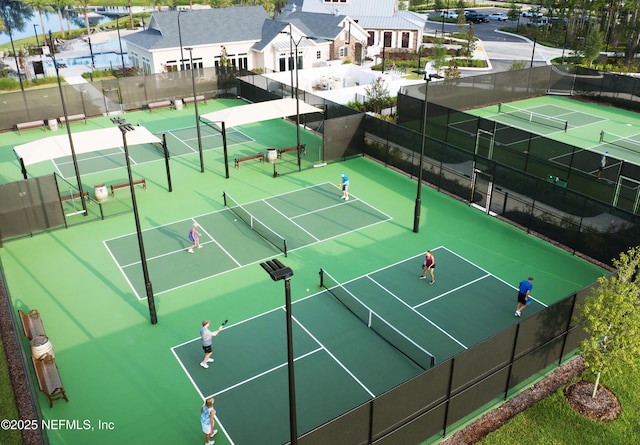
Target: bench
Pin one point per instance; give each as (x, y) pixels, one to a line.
(303, 150)
(75, 196)
(248, 158)
(161, 104)
(114, 187)
(73, 118)
(32, 324)
(190, 100)
(49, 378)
(28, 125)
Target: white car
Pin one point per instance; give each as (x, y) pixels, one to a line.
(531, 14)
(449, 14)
(498, 16)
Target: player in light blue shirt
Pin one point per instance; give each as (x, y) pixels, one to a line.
(344, 186)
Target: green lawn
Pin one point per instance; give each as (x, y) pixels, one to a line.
(8, 408)
(552, 421)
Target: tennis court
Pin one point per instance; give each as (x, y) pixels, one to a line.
(240, 235)
(353, 341)
(117, 367)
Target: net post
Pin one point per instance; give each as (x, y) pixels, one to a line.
(433, 361)
(285, 247)
(224, 198)
(566, 126)
(321, 273)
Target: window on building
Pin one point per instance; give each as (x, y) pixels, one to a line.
(343, 52)
(318, 55)
(387, 39)
(405, 40)
(171, 65)
(135, 61)
(146, 65)
(372, 39)
(243, 61)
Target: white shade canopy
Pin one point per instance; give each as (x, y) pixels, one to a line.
(261, 111)
(83, 142)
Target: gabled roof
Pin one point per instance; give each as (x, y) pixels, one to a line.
(402, 20)
(323, 26)
(352, 8)
(201, 27)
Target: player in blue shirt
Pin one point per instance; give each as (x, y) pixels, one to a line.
(344, 186)
(524, 290)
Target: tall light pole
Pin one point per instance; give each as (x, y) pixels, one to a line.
(195, 104)
(124, 128)
(66, 122)
(278, 271)
(35, 25)
(124, 72)
(294, 43)
(15, 55)
(416, 213)
(180, 39)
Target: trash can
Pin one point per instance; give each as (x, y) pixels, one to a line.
(40, 346)
(100, 192)
(178, 104)
(272, 155)
(53, 124)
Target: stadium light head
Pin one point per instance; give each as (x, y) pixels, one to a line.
(125, 127)
(276, 270)
(118, 120)
(428, 77)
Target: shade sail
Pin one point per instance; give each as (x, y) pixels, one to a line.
(261, 111)
(83, 142)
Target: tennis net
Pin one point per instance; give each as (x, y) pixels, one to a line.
(410, 349)
(255, 224)
(620, 141)
(533, 117)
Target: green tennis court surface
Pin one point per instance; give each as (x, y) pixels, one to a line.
(303, 217)
(117, 367)
(341, 358)
(547, 115)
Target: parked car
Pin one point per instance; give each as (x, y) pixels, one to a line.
(467, 12)
(499, 16)
(449, 14)
(477, 17)
(531, 13)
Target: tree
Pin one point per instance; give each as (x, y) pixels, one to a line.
(40, 6)
(377, 95)
(85, 7)
(438, 5)
(59, 6)
(452, 71)
(219, 3)
(514, 11)
(611, 318)
(438, 55)
(592, 45)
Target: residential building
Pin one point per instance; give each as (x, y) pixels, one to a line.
(250, 39)
(385, 24)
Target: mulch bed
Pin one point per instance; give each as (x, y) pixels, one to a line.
(604, 407)
(493, 420)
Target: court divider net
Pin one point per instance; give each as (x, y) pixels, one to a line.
(385, 330)
(255, 224)
(620, 141)
(533, 117)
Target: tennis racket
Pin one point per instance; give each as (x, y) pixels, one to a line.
(224, 323)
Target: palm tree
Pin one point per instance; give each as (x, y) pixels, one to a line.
(40, 6)
(85, 8)
(59, 5)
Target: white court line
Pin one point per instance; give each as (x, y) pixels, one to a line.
(417, 313)
(452, 290)
(218, 423)
(218, 244)
(121, 269)
(335, 358)
(494, 276)
(291, 220)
